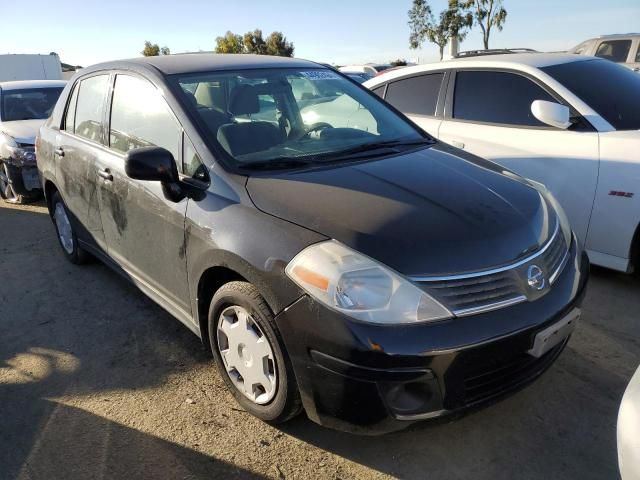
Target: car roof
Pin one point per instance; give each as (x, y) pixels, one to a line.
(24, 84)
(205, 62)
(615, 35)
(518, 61)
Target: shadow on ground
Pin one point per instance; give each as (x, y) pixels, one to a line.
(69, 333)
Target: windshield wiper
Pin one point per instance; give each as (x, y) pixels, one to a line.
(384, 146)
(276, 163)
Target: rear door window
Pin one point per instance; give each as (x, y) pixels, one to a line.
(140, 117)
(70, 115)
(92, 95)
(497, 97)
(614, 50)
(416, 95)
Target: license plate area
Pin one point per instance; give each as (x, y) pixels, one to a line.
(551, 336)
(30, 178)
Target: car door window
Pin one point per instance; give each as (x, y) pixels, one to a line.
(581, 49)
(379, 91)
(140, 117)
(497, 97)
(192, 165)
(614, 50)
(70, 115)
(92, 94)
(638, 54)
(416, 95)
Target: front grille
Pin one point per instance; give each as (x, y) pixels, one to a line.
(498, 375)
(465, 294)
(484, 291)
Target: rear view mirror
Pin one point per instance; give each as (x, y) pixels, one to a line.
(551, 113)
(154, 164)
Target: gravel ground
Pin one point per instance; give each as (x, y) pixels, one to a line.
(96, 381)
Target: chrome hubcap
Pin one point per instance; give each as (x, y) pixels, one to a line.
(247, 355)
(65, 234)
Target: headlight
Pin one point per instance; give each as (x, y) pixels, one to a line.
(351, 283)
(19, 153)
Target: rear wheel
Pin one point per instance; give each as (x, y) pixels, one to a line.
(66, 235)
(250, 355)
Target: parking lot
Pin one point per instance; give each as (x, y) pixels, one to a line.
(96, 381)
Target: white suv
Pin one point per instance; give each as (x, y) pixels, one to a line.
(570, 122)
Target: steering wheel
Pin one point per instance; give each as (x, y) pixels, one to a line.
(316, 127)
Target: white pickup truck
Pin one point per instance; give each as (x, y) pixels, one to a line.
(570, 122)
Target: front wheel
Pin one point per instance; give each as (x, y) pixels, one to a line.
(250, 355)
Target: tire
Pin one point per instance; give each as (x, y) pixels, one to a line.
(67, 239)
(7, 191)
(283, 403)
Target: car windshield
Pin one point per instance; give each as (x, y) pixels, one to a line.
(29, 104)
(610, 89)
(282, 117)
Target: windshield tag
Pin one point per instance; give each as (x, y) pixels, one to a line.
(315, 75)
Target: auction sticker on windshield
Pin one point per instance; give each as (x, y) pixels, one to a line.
(314, 75)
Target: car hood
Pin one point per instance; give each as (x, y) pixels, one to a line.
(23, 131)
(429, 212)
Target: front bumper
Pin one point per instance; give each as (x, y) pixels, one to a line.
(24, 178)
(373, 379)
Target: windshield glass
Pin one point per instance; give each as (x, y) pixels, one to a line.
(610, 89)
(287, 115)
(29, 104)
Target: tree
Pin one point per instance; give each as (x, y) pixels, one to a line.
(487, 14)
(452, 22)
(153, 50)
(278, 45)
(230, 43)
(398, 63)
(254, 43)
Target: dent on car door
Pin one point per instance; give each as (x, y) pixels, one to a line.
(418, 97)
(490, 116)
(144, 230)
(76, 149)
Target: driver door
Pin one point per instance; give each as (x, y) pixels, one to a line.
(144, 231)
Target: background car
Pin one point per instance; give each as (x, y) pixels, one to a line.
(24, 106)
(569, 122)
(366, 272)
(372, 69)
(622, 48)
(629, 431)
(358, 77)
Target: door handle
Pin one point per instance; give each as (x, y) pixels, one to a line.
(457, 144)
(59, 151)
(105, 174)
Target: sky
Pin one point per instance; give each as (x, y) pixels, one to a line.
(331, 31)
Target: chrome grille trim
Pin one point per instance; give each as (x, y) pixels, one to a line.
(492, 271)
(489, 307)
(479, 292)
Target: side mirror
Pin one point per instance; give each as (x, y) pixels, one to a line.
(153, 164)
(552, 113)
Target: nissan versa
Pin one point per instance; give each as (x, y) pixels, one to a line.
(333, 256)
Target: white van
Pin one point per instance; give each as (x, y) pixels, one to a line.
(30, 67)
